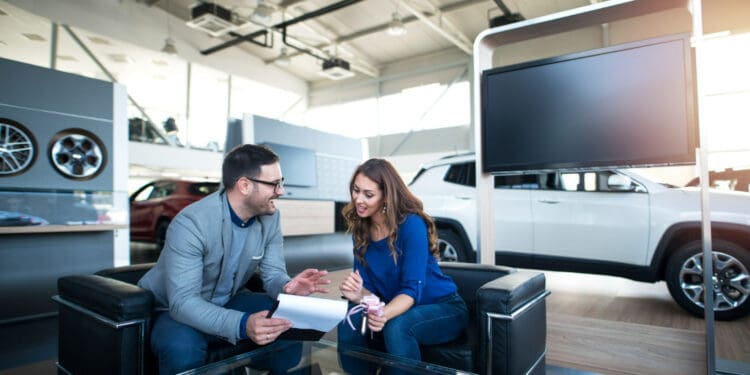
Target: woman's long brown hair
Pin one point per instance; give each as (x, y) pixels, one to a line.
(399, 202)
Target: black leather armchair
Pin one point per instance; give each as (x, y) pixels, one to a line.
(507, 321)
(105, 320)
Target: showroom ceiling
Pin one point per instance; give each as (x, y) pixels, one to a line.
(317, 31)
(360, 33)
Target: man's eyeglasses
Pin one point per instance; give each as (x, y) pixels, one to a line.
(277, 185)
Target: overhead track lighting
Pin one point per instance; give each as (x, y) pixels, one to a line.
(169, 47)
(396, 26)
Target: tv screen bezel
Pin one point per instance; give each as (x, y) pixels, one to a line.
(690, 95)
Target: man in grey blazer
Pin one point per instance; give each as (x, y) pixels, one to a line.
(212, 248)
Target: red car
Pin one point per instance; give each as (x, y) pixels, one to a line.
(154, 205)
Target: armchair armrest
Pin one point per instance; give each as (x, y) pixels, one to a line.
(103, 326)
(512, 312)
(507, 295)
(129, 274)
(113, 299)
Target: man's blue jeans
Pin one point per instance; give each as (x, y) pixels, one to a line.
(179, 347)
(422, 324)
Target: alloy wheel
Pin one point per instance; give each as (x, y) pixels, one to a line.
(731, 281)
(17, 148)
(448, 252)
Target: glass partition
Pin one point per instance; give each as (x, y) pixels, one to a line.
(70, 208)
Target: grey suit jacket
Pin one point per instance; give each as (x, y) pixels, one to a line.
(190, 265)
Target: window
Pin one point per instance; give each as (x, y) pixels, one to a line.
(595, 181)
(208, 102)
(253, 97)
(144, 194)
(462, 174)
(520, 181)
(162, 190)
(204, 188)
(353, 119)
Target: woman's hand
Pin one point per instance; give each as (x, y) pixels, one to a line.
(351, 288)
(376, 322)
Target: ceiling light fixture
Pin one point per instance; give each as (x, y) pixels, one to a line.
(283, 58)
(169, 47)
(213, 19)
(335, 69)
(262, 12)
(396, 26)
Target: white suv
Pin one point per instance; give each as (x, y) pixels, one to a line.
(611, 222)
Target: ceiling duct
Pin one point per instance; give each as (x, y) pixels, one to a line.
(282, 26)
(212, 19)
(335, 69)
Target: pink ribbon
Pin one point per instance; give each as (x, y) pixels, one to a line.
(354, 310)
(367, 301)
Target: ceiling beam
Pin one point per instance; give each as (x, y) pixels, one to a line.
(249, 37)
(358, 60)
(451, 35)
(383, 27)
(443, 26)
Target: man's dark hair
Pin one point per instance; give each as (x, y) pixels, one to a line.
(245, 160)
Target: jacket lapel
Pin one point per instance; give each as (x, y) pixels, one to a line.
(226, 234)
(253, 248)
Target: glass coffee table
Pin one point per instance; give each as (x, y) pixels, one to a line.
(321, 357)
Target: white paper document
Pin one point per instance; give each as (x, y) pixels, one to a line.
(310, 312)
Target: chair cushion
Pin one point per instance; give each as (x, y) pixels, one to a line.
(457, 354)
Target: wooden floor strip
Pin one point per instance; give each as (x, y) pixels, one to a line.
(613, 347)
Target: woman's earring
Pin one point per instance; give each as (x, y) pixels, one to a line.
(385, 209)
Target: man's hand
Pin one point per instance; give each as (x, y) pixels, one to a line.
(308, 282)
(351, 288)
(264, 330)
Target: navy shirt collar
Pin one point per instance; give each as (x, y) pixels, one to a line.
(236, 219)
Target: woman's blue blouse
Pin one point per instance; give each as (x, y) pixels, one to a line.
(416, 272)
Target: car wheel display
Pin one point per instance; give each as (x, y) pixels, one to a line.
(730, 280)
(451, 247)
(77, 154)
(17, 148)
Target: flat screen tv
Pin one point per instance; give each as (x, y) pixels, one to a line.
(622, 106)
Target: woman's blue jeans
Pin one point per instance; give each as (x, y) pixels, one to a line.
(431, 324)
(179, 347)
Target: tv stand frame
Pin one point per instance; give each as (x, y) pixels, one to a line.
(595, 14)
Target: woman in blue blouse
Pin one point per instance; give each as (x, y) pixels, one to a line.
(395, 258)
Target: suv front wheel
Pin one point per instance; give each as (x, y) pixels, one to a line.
(731, 280)
(451, 246)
